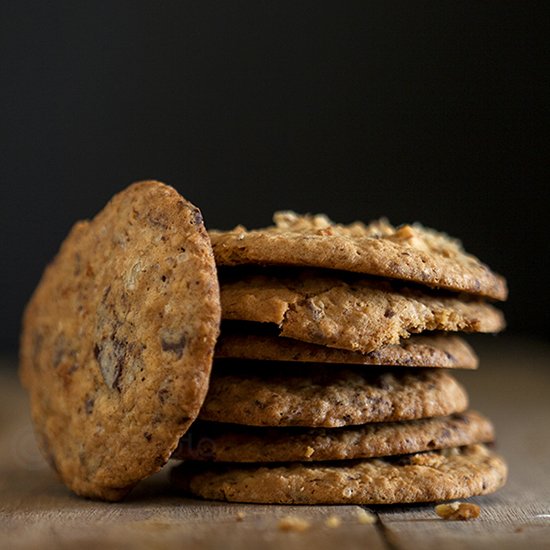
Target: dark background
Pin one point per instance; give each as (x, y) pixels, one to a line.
(428, 111)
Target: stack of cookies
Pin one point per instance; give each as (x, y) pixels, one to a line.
(332, 380)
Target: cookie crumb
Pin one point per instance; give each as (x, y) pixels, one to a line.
(239, 516)
(309, 452)
(365, 518)
(457, 511)
(292, 523)
(333, 521)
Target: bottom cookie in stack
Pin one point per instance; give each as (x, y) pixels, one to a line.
(288, 433)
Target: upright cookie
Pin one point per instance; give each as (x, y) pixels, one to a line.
(321, 396)
(217, 442)
(411, 253)
(441, 351)
(424, 477)
(349, 312)
(118, 340)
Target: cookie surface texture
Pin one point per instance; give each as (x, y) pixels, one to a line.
(423, 477)
(349, 313)
(322, 396)
(441, 351)
(411, 253)
(216, 442)
(118, 340)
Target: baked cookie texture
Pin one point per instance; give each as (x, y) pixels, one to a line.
(321, 396)
(422, 477)
(410, 252)
(118, 339)
(440, 351)
(355, 314)
(216, 442)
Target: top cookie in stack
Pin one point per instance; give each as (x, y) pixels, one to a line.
(309, 308)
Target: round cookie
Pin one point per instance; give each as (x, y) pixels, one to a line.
(441, 351)
(348, 312)
(217, 442)
(423, 477)
(411, 253)
(321, 396)
(118, 340)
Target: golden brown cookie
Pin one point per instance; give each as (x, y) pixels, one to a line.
(439, 350)
(411, 253)
(348, 312)
(423, 477)
(321, 396)
(217, 442)
(118, 340)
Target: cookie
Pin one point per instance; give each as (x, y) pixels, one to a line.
(422, 477)
(217, 442)
(118, 340)
(349, 313)
(411, 253)
(443, 351)
(326, 397)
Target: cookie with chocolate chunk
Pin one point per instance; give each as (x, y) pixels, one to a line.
(422, 477)
(321, 396)
(217, 442)
(118, 339)
(440, 351)
(410, 252)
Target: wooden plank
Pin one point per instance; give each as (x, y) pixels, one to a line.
(512, 388)
(38, 511)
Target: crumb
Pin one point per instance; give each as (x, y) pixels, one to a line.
(333, 521)
(309, 452)
(240, 516)
(291, 523)
(460, 511)
(365, 518)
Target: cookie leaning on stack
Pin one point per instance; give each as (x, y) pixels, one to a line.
(118, 339)
(312, 390)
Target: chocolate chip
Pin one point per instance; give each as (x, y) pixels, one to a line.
(163, 394)
(173, 342)
(110, 354)
(147, 436)
(389, 313)
(89, 405)
(197, 217)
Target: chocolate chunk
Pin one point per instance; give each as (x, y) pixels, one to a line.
(89, 405)
(197, 216)
(173, 342)
(110, 354)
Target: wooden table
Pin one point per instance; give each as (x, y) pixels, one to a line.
(512, 387)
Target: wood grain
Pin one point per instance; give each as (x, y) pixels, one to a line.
(512, 387)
